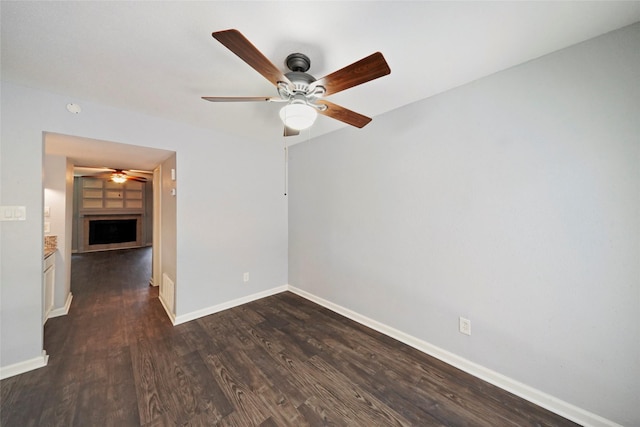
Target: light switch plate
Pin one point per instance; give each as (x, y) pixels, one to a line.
(13, 213)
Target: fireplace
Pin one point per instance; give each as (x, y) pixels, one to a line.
(104, 232)
(107, 231)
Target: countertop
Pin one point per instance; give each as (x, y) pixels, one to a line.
(50, 245)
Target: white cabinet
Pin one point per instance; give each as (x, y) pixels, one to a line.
(49, 285)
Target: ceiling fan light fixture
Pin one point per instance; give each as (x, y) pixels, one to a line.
(118, 177)
(298, 116)
(300, 89)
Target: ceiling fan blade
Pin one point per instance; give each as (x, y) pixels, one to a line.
(94, 168)
(290, 131)
(345, 115)
(100, 175)
(238, 44)
(242, 99)
(362, 71)
(142, 175)
(129, 175)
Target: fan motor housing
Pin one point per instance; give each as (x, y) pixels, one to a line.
(300, 80)
(299, 64)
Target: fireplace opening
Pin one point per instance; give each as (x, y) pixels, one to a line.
(109, 231)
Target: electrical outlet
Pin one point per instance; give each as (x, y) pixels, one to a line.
(465, 326)
(245, 277)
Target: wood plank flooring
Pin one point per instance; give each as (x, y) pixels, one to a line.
(116, 360)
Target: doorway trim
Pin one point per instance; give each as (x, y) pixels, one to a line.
(156, 262)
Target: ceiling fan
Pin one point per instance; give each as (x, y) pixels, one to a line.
(302, 93)
(116, 175)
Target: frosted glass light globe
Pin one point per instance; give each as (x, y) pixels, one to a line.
(298, 116)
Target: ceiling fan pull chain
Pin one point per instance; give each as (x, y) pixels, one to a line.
(286, 166)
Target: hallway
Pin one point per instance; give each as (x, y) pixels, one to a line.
(89, 380)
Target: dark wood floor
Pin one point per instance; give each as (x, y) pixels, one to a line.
(116, 360)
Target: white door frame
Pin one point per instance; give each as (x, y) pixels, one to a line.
(156, 273)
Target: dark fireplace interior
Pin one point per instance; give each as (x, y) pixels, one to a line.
(108, 231)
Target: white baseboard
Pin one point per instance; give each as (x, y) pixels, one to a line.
(226, 305)
(62, 311)
(26, 366)
(553, 404)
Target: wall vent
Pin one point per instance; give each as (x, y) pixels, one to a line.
(167, 292)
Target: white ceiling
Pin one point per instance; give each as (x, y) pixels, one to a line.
(91, 153)
(159, 57)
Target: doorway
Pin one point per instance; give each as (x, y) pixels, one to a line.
(80, 151)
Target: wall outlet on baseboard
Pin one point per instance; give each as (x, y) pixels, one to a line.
(245, 277)
(464, 325)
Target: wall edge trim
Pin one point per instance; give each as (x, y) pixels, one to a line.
(171, 316)
(64, 310)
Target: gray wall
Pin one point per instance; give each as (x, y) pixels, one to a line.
(513, 201)
(231, 215)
